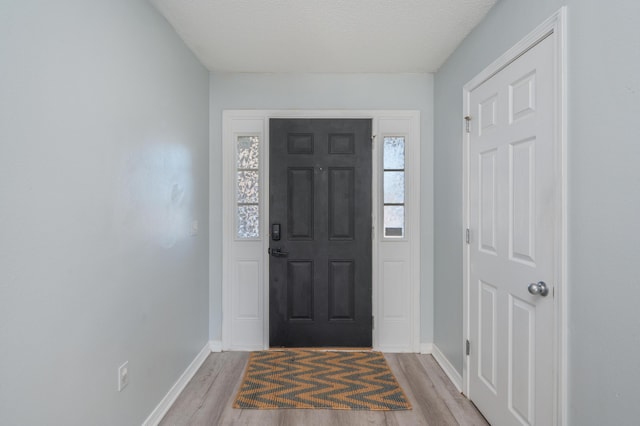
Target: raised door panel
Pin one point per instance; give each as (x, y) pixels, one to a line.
(488, 199)
(522, 201)
(488, 335)
(341, 203)
(300, 290)
(341, 290)
(300, 199)
(247, 290)
(522, 319)
(300, 143)
(394, 275)
(394, 303)
(344, 143)
(522, 97)
(488, 114)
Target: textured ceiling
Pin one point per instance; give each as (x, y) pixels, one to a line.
(323, 35)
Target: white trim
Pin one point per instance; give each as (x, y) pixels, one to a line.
(426, 348)
(215, 345)
(412, 219)
(562, 311)
(447, 367)
(554, 25)
(165, 404)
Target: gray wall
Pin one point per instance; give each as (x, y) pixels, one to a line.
(325, 91)
(604, 200)
(103, 166)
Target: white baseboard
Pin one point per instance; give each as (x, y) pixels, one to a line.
(447, 367)
(426, 348)
(216, 345)
(158, 413)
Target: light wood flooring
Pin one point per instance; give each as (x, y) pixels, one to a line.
(208, 397)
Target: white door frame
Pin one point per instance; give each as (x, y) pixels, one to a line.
(394, 330)
(554, 26)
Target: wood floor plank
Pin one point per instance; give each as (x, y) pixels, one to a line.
(238, 417)
(196, 393)
(208, 398)
(429, 407)
(219, 378)
(461, 408)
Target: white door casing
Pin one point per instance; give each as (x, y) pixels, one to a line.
(396, 261)
(514, 204)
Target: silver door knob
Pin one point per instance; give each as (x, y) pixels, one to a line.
(538, 288)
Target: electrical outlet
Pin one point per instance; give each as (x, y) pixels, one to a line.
(123, 376)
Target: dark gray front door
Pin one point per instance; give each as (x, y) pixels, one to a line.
(320, 199)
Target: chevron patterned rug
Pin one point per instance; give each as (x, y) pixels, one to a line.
(320, 379)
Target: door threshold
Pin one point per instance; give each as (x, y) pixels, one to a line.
(323, 349)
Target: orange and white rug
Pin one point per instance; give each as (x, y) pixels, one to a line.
(339, 380)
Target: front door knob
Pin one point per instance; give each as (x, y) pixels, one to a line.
(538, 288)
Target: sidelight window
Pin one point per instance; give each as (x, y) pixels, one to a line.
(394, 187)
(247, 187)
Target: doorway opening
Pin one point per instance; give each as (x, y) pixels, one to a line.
(250, 255)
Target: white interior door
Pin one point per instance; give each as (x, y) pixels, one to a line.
(511, 221)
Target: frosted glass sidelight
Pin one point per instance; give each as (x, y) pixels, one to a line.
(248, 223)
(394, 221)
(394, 153)
(393, 187)
(248, 152)
(248, 187)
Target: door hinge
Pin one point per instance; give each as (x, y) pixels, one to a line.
(467, 119)
(373, 322)
(468, 347)
(468, 236)
(373, 139)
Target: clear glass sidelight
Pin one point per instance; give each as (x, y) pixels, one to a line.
(248, 187)
(394, 153)
(394, 186)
